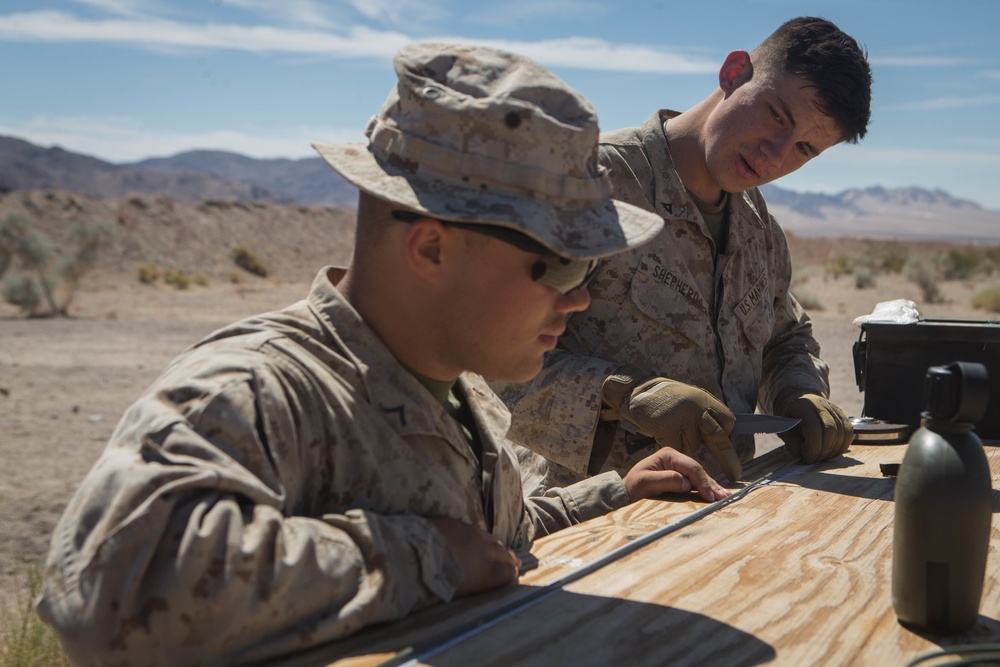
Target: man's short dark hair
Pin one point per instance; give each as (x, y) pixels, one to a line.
(830, 60)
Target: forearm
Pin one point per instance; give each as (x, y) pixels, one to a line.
(564, 507)
(213, 579)
(792, 357)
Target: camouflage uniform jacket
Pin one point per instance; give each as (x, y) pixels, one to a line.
(266, 494)
(673, 308)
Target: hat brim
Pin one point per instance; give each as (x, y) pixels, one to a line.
(604, 228)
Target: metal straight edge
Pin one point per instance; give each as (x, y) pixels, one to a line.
(414, 655)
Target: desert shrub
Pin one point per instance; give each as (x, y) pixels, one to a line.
(25, 641)
(960, 263)
(987, 299)
(808, 300)
(21, 291)
(887, 256)
(841, 265)
(235, 277)
(992, 254)
(801, 273)
(923, 272)
(177, 277)
(55, 272)
(249, 261)
(200, 278)
(148, 273)
(864, 277)
(12, 230)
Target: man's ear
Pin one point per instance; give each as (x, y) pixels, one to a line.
(735, 71)
(424, 252)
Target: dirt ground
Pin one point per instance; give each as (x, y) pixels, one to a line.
(64, 383)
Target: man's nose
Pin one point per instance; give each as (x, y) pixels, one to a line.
(775, 148)
(574, 300)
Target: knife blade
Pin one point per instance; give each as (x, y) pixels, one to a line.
(746, 423)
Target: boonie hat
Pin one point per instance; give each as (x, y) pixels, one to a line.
(479, 135)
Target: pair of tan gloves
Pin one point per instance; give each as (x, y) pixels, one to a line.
(684, 417)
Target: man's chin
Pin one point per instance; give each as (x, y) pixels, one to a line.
(522, 374)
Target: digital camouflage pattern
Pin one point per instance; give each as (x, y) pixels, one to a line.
(727, 324)
(267, 494)
(475, 134)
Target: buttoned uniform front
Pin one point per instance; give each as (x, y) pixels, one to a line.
(268, 493)
(724, 321)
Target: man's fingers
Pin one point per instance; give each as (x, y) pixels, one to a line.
(717, 440)
(486, 562)
(669, 471)
(824, 430)
(707, 487)
(506, 567)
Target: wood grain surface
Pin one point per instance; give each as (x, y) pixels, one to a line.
(797, 572)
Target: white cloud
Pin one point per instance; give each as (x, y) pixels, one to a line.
(916, 61)
(304, 12)
(911, 159)
(122, 7)
(597, 54)
(400, 12)
(166, 34)
(518, 11)
(54, 26)
(125, 140)
(944, 103)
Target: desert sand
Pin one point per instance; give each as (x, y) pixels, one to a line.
(64, 383)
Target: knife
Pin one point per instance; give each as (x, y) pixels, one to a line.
(746, 424)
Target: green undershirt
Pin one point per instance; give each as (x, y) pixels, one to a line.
(715, 219)
(455, 405)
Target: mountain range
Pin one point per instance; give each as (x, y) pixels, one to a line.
(202, 175)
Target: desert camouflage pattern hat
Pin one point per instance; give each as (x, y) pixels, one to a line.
(480, 135)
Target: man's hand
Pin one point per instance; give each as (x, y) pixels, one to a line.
(485, 561)
(669, 471)
(824, 430)
(681, 416)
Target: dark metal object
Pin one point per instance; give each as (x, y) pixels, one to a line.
(871, 431)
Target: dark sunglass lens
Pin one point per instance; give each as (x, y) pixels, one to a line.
(538, 269)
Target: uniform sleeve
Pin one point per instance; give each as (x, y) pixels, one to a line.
(561, 508)
(791, 359)
(587, 499)
(188, 542)
(556, 413)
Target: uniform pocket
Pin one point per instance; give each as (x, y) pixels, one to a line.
(672, 301)
(755, 311)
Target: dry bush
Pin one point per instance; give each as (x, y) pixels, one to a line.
(177, 277)
(864, 277)
(148, 273)
(249, 261)
(962, 263)
(923, 271)
(26, 641)
(808, 300)
(987, 299)
(49, 273)
(840, 265)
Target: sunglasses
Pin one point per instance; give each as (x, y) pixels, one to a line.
(561, 274)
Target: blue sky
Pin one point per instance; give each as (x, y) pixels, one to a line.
(124, 80)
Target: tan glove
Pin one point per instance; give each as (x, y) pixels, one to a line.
(824, 430)
(677, 415)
